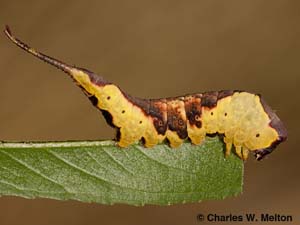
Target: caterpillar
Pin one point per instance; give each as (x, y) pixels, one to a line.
(243, 119)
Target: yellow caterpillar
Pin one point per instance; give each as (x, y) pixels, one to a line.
(244, 119)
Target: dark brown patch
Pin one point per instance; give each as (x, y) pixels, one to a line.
(143, 104)
(192, 104)
(94, 78)
(275, 122)
(108, 117)
(261, 153)
(155, 108)
(118, 134)
(175, 120)
(93, 99)
(143, 140)
(212, 134)
(158, 112)
(225, 93)
(209, 99)
(7, 30)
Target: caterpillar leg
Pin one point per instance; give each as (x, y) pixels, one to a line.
(242, 152)
(238, 150)
(123, 143)
(151, 137)
(245, 153)
(228, 142)
(173, 138)
(149, 142)
(197, 140)
(125, 138)
(196, 135)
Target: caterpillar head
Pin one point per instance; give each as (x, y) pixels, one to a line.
(266, 139)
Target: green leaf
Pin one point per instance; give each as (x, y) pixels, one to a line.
(99, 171)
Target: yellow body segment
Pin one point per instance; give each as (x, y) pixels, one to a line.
(197, 135)
(244, 122)
(176, 113)
(131, 120)
(173, 138)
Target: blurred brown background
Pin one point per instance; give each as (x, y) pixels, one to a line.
(150, 49)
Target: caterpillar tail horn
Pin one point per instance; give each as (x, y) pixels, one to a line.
(76, 73)
(57, 63)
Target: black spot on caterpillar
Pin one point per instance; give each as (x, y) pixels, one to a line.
(244, 119)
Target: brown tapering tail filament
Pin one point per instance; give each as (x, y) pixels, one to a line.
(57, 63)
